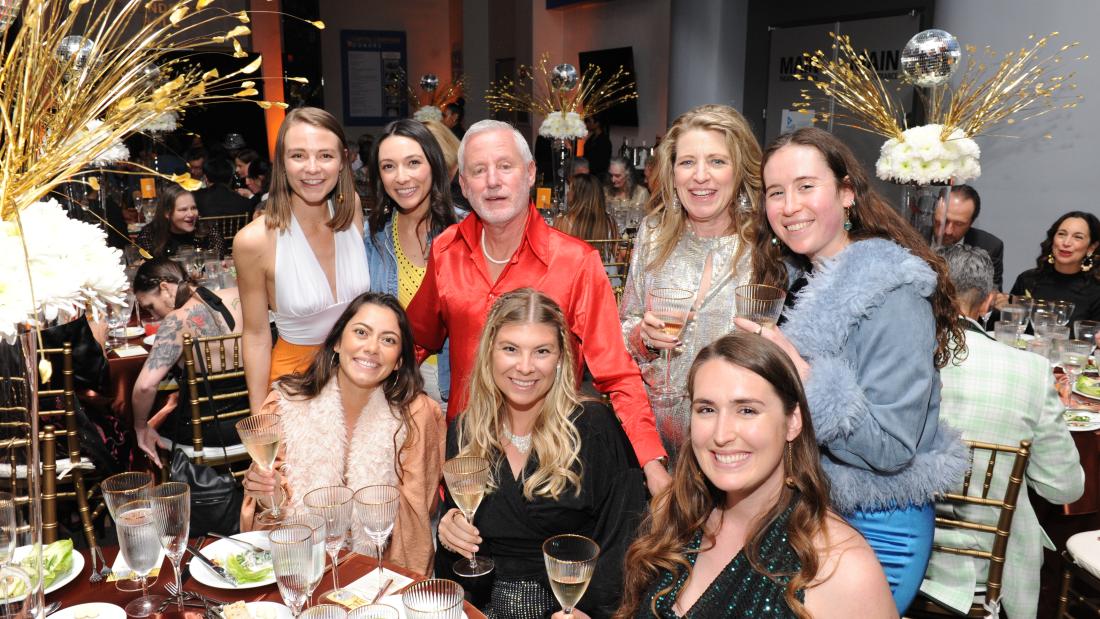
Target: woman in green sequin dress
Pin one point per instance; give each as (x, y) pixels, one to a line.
(745, 529)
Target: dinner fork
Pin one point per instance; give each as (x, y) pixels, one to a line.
(105, 571)
(94, 578)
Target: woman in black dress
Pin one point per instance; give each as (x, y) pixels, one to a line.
(1067, 266)
(176, 224)
(558, 464)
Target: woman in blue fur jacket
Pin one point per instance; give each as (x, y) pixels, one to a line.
(872, 322)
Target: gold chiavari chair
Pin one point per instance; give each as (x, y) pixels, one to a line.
(227, 226)
(615, 254)
(214, 396)
(15, 449)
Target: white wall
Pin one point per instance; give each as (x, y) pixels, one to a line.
(1027, 182)
(427, 41)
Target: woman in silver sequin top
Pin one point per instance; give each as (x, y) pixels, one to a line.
(693, 238)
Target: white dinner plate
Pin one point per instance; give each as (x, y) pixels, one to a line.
(91, 610)
(148, 340)
(219, 551)
(127, 332)
(62, 580)
(268, 610)
(1080, 420)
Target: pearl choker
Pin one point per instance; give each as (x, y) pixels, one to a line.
(485, 252)
(521, 443)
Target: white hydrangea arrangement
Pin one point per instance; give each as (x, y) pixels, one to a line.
(70, 264)
(165, 122)
(95, 132)
(428, 112)
(925, 157)
(563, 126)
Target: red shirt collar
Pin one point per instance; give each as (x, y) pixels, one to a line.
(536, 234)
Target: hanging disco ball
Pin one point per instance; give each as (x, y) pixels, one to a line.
(930, 58)
(9, 12)
(150, 73)
(77, 49)
(429, 82)
(564, 77)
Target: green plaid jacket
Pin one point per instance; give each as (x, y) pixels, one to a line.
(1003, 395)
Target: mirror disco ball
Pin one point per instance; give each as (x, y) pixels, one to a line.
(930, 58)
(564, 77)
(429, 82)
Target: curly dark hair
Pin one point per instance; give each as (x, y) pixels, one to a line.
(1047, 246)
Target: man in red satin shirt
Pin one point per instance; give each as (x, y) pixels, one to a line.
(506, 245)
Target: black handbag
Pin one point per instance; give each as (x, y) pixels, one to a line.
(215, 497)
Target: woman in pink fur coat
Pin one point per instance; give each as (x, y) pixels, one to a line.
(358, 416)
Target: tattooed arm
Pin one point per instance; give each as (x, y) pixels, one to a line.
(167, 348)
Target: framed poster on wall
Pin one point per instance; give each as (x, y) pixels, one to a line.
(371, 59)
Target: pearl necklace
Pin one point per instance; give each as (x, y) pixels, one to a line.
(485, 252)
(521, 443)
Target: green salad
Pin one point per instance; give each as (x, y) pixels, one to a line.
(57, 561)
(248, 567)
(1088, 386)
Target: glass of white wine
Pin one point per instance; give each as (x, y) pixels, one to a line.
(291, 559)
(466, 479)
(261, 435)
(672, 306)
(139, 543)
(570, 562)
(434, 598)
(334, 504)
(376, 507)
(759, 303)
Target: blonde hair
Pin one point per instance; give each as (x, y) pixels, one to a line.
(554, 439)
(744, 157)
(278, 211)
(448, 143)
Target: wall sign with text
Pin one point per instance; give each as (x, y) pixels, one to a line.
(371, 59)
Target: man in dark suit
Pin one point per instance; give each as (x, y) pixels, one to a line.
(964, 208)
(218, 198)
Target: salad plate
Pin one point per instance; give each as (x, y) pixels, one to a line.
(1087, 386)
(1081, 420)
(238, 561)
(53, 555)
(265, 610)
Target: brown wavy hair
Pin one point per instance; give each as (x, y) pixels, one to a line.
(683, 508)
(587, 218)
(401, 387)
(670, 223)
(871, 217)
(1047, 246)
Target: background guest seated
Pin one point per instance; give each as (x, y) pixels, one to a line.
(218, 197)
(176, 224)
(1066, 269)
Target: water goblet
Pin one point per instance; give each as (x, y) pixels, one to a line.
(316, 524)
(1086, 330)
(172, 510)
(466, 478)
(672, 306)
(434, 598)
(1057, 332)
(119, 490)
(759, 303)
(261, 436)
(292, 562)
(1062, 310)
(1006, 332)
(570, 561)
(1016, 314)
(334, 504)
(139, 543)
(1074, 357)
(376, 507)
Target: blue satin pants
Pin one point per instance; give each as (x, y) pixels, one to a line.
(902, 541)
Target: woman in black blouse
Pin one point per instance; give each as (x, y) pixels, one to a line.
(176, 224)
(559, 465)
(1067, 267)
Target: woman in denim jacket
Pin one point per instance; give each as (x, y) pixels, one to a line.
(412, 205)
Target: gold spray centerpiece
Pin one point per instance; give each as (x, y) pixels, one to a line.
(437, 99)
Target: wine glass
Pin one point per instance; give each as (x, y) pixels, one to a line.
(8, 528)
(1041, 316)
(570, 561)
(376, 507)
(324, 611)
(119, 490)
(672, 307)
(759, 303)
(118, 317)
(261, 435)
(375, 611)
(1062, 311)
(292, 560)
(316, 524)
(139, 543)
(1086, 330)
(1016, 314)
(466, 479)
(434, 598)
(1074, 357)
(334, 504)
(172, 509)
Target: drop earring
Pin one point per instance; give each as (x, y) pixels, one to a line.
(1050, 258)
(775, 241)
(674, 206)
(848, 217)
(1086, 264)
(789, 481)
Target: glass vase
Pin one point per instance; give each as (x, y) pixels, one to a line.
(918, 204)
(561, 168)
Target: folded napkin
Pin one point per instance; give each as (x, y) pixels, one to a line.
(364, 590)
(130, 351)
(121, 571)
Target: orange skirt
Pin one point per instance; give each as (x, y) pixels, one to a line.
(287, 358)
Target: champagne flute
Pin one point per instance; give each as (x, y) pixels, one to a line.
(375, 611)
(119, 490)
(8, 528)
(759, 303)
(172, 509)
(570, 562)
(261, 435)
(466, 478)
(334, 504)
(316, 524)
(292, 560)
(434, 598)
(139, 543)
(672, 307)
(376, 507)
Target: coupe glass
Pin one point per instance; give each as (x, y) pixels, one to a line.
(324, 611)
(292, 561)
(172, 510)
(139, 543)
(376, 507)
(8, 528)
(570, 562)
(433, 599)
(261, 435)
(466, 479)
(316, 524)
(759, 303)
(671, 306)
(375, 611)
(1086, 330)
(334, 504)
(1062, 310)
(119, 490)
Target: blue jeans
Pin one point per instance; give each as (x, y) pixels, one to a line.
(902, 541)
